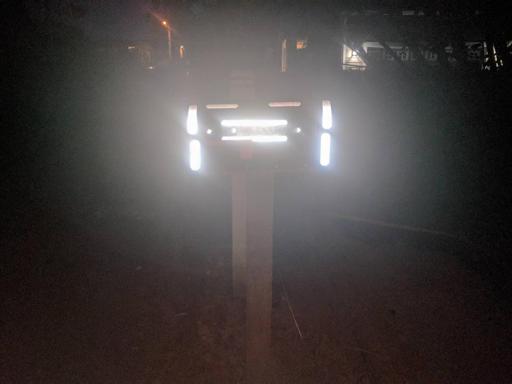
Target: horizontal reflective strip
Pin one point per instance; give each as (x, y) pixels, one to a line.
(281, 104)
(257, 139)
(221, 106)
(250, 123)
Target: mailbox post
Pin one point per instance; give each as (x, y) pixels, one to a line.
(260, 216)
(239, 232)
(253, 199)
(252, 229)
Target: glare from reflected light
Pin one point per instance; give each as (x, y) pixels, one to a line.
(270, 139)
(251, 123)
(325, 149)
(257, 138)
(209, 131)
(221, 106)
(282, 104)
(298, 130)
(326, 114)
(192, 126)
(195, 155)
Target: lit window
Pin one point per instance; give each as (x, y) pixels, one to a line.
(351, 60)
(301, 44)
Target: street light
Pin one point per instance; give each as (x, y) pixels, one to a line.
(166, 25)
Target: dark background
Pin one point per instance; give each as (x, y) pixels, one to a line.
(87, 131)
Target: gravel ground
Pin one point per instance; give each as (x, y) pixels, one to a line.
(112, 304)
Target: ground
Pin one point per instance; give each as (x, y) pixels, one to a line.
(115, 302)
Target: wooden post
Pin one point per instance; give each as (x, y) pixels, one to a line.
(252, 231)
(260, 196)
(239, 232)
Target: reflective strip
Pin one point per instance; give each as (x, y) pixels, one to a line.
(325, 149)
(326, 114)
(195, 155)
(221, 106)
(192, 126)
(257, 139)
(281, 104)
(249, 123)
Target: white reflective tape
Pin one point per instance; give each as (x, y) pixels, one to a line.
(192, 126)
(221, 106)
(257, 138)
(195, 155)
(253, 123)
(325, 149)
(282, 104)
(270, 139)
(326, 114)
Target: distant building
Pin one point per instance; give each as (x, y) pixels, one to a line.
(374, 37)
(345, 40)
(474, 53)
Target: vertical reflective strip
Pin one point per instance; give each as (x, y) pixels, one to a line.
(326, 114)
(195, 155)
(192, 126)
(325, 149)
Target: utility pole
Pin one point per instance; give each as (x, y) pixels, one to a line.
(169, 38)
(169, 42)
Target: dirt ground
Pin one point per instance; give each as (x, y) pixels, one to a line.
(118, 304)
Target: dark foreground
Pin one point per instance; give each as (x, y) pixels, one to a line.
(115, 302)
